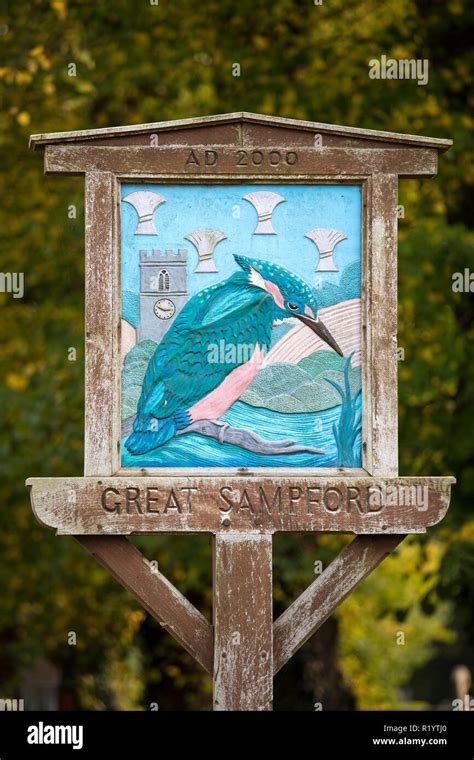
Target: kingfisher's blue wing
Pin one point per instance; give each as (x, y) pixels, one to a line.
(179, 373)
(155, 398)
(221, 305)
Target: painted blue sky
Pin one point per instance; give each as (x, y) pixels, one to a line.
(221, 207)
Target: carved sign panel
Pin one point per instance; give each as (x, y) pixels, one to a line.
(241, 320)
(219, 505)
(241, 324)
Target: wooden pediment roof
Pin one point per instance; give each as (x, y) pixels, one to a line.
(239, 129)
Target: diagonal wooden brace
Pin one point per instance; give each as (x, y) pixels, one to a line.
(315, 605)
(155, 593)
(235, 588)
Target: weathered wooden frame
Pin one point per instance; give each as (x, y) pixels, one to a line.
(371, 158)
(103, 312)
(242, 672)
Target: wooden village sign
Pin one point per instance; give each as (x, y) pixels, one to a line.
(241, 368)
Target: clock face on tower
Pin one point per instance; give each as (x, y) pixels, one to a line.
(164, 308)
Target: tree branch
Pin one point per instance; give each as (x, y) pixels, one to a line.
(244, 439)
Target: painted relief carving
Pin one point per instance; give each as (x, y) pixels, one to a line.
(163, 291)
(264, 202)
(205, 242)
(261, 366)
(145, 203)
(325, 241)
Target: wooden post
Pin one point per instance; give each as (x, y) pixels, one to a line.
(243, 646)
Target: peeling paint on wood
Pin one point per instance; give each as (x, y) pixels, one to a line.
(243, 120)
(132, 161)
(313, 607)
(236, 505)
(102, 350)
(155, 593)
(381, 325)
(243, 650)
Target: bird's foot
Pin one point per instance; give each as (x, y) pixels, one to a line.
(222, 428)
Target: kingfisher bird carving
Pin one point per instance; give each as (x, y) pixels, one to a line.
(181, 386)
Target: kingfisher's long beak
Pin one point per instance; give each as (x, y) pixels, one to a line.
(321, 331)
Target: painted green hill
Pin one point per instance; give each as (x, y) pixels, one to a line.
(301, 387)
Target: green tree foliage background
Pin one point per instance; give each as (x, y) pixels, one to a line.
(140, 62)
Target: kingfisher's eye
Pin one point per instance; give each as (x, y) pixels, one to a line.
(293, 306)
